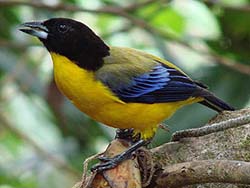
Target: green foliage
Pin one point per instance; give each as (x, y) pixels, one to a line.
(8, 19)
(170, 21)
(36, 120)
(8, 181)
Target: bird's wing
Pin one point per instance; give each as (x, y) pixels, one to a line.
(160, 84)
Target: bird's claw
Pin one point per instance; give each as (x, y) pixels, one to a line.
(104, 159)
(108, 163)
(103, 166)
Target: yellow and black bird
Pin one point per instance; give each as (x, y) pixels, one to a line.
(120, 87)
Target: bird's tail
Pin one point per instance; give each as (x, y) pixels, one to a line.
(215, 103)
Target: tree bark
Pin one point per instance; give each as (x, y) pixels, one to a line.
(219, 159)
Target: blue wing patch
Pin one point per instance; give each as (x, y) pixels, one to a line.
(146, 83)
(161, 84)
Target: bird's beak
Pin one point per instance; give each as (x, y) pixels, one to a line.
(35, 28)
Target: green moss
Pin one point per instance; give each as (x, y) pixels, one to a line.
(210, 155)
(245, 143)
(247, 157)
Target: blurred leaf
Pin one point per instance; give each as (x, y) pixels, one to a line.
(109, 23)
(8, 19)
(170, 21)
(164, 18)
(234, 3)
(199, 20)
(236, 35)
(9, 181)
(10, 141)
(61, 129)
(237, 22)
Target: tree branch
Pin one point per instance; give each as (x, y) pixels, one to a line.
(210, 153)
(204, 171)
(217, 159)
(123, 12)
(55, 7)
(72, 8)
(13, 44)
(212, 128)
(138, 5)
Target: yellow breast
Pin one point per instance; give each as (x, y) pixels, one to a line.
(97, 101)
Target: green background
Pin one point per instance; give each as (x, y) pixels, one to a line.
(44, 139)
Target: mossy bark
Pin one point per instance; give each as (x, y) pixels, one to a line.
(231, 144)
(220, 159)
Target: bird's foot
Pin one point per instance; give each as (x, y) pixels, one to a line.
(109, 163)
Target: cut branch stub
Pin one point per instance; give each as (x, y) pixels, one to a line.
(126, 174)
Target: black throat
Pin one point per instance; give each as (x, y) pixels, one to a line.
(89, 60)
(87, 56)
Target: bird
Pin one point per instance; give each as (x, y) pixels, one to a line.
(120, 87)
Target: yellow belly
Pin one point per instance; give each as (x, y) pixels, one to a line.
(94, 99)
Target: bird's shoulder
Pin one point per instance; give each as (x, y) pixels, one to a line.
(130, 62)
(122, 65)
(135, 76)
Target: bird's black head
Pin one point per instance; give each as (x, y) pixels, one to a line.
(71, 39)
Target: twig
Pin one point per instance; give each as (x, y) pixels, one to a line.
(244, 8)
(205, 171)
(135, 6)
(13, 44)
(85, 167)
(72, 8)
(164, 127)
(208, 129)
(56, 7)
(222, 60)
(51, 158)
(88, 181)
(146, 166)
(233, 144)
(245, 69)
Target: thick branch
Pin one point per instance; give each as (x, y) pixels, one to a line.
(205, 171)
(215, 153)
(210, 161)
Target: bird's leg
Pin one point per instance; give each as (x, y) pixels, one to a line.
(126, 134)
(109, 163)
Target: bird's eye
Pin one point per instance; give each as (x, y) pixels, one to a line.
(63, 28)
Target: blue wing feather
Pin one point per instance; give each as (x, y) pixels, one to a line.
(161, 84)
